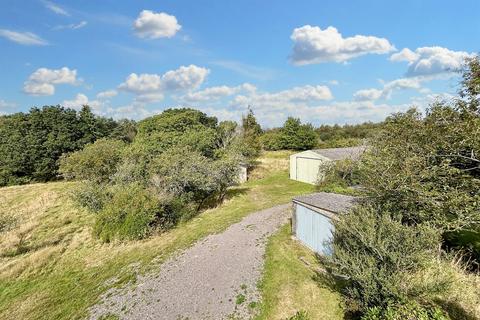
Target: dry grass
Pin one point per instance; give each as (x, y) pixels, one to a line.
(52, 268)
(271, 161)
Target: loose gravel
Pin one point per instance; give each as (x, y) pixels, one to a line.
(214, 279)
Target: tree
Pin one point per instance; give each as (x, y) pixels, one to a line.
(31, 143)
(249, 145)
(295, 136)
(177, 127)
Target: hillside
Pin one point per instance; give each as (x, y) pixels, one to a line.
(52, 268)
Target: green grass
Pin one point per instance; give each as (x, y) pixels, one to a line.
(289, 285)
(61, 269)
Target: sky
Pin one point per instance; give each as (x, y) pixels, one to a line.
(324, 62)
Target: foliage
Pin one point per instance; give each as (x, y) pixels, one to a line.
(248, 146)
(91, 196)
(130, 214)
(407, 311)
(367, 253)
(337, 136)
(95, 162)
(344, 173)
(31, 143)
(292, 136)
(426, 170)
(177, 128)
(295, 136)
(270, 139)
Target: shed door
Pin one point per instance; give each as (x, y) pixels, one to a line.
(307, 169)
(314, 230)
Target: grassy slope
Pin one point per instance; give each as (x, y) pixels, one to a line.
(52, 268)
(289, 285)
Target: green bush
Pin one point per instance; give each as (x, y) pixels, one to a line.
(376, 253)
(129, 215)
(96, 162)
(270, 140)
(408, 311)
(91, 196)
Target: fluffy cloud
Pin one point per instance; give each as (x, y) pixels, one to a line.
(42, 82)
(215, 93)
(151, 87)
(429, 61)
(24, 38)
(55, 8)
(314, 45)
(80, 100)
(306, 94)
(388, 89)
(107, 94)
(153, 25)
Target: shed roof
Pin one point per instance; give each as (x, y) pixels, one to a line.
(332, 202)
(341, 153)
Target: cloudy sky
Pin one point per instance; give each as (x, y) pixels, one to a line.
(322, 61)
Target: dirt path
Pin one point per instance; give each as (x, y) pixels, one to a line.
(214, 279)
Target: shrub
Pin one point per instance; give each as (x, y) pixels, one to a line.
(297, 136)
(407, 311)
(376, 253)
(130, 214)
(271, 140)
(96, 162)
(91, 196)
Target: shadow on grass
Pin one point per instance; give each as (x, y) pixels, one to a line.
(455, 311)
(326, 279)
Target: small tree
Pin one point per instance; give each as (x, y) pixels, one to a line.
(295, 136)
(97, 162)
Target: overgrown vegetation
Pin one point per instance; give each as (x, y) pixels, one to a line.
(292, 136)
(421, 181)
(180, 162)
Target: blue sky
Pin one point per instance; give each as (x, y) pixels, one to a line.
(322, 61)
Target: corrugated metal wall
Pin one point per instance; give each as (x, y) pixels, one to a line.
(313, 229)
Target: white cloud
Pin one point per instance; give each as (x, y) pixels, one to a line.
(151, 87)
(430, 61)
(215, 93)
(388, 89)
(55, 8)
(24, 38)
(305, 95)
(73, 26)
(106, 94)
(42, 82)
(153, 25)
(314, 45)
(80, 100)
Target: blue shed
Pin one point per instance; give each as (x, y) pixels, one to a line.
(313, 215)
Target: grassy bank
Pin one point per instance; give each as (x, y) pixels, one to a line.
(52, 268)
(291, 284)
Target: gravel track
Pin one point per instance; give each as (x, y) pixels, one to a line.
(206, 281)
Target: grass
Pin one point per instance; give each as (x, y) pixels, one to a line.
(52, 268)
(289, 286)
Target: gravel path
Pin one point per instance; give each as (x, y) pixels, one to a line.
(214, 279)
